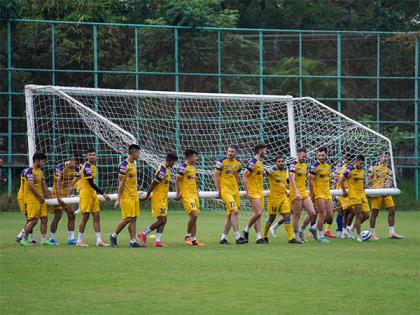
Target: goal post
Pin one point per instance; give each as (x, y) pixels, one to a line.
(66, 121)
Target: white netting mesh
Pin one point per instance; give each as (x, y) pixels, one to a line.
(68, 121)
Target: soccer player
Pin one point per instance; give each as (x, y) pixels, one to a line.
(35, 191)
(186, 189)
(128, 198)
(278, 201)
(319, 188)
(380, 176)
(253, 181)
(299, 195)
(65, 176)
(89, 202)
(226, 179)
(21, 204)
(159, 191)
(345, 213)
(355, 177)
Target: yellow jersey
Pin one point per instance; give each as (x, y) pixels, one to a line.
(322, 173)
(163, 178)
(278, 182)
(300, 170)
(228, 170)
(67, 175)
(128, 171)
(355, 182)
(381, 175)
(21, 192)
(256, 178)
(339, 171)
(35, 176)
(187, 172)
(88, 171)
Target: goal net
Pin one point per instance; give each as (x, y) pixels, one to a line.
(66, 121)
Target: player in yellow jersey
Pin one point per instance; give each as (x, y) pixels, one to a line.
(319, 187)
(380, 176)
(186, 189)
(345, 214)
(65, 176)
(35, 190)
(21, 204)
(278, 201)
(158, 191)
(89, 202)
(299, 196)
(253, 182)
(128, 197)
(355, 177)
(226, 179)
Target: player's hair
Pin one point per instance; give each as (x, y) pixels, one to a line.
(171, 157)
(39, 156)
(360, 157)
(133, 147)
(234, 146)
(189, 152)
(258, 147)
(301, 150)
(90, 150)
(323, 149)
(279, 157)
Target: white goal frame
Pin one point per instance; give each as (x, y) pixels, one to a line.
(63, 92)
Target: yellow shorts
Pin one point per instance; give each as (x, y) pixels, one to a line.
(325, 196)
(258, 196)
(89, 203)
(159, 207)
(292, 196)
(21, 205)
(344, 202)
(231, 201)
(360, 200)
(36, 210)
(378, 202)
(278, 206)
(130, 207)
(191, 204)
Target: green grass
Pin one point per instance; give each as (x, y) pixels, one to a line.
(344, 277)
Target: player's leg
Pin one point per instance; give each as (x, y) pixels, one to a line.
(97, 227)
(71, 222)
(43, 214)
(120, 226)
(235, 226)
(82, 227)
(226, 227)
(390, 207)
(132, 227)
(309, 207)
(329, 219)
(58, 212)
(373, 216)
(267, 225)
(358, 216)
(257, 210)
(28, 228)
(321, 207)
(297, 212)
(159, 230)
(193, 219)
(275, 226)
(339, 221)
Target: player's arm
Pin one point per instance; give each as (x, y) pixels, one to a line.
(292, 179)
(33, 190)
(343, 178)
(97, 189)
(370, 176)
(311, 177)
(247, 173)
(217, 181)
(150, 190)
(178, 186)
(160, 175)
(121, 182)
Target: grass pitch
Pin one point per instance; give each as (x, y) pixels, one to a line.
(344, 277)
